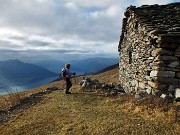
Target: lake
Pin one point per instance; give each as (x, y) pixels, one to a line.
(6, 89)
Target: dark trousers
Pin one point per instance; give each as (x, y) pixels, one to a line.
(68, 84)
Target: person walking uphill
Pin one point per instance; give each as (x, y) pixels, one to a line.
(68, 78)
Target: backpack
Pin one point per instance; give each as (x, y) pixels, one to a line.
(63, 72)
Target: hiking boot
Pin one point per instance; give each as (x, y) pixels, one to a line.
(68, 92)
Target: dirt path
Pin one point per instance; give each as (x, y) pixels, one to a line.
(81, 113)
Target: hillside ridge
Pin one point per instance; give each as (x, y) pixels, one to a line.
(91, 112)
(17, 71)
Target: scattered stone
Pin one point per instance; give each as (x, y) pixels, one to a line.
(93, 85)
(137, 96)
(148, 91)
(163, 96)
(171, 96)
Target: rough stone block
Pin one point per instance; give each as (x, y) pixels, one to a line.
(163, 96)
(166, 52)
(171, 88)
(177, 92)
(177, 54)
(177, 75)
(142, 85)
(161, 51)
(134, 82)
(148, 78)
(156, 52)
(166, 80)
(148, 91)
(156, 85)
(158, 63)
(173, 64)
(166, 58)
(152, 84)
(170, 74)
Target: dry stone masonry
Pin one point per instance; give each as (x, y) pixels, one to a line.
(149, 49)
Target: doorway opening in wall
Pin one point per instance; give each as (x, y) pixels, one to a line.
(148, 73)
(136, 26)
(130, 56)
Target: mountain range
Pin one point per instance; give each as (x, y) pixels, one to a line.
(19, 73)
(80, 66)
(15, 74)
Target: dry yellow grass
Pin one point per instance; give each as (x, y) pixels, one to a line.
(83, 113)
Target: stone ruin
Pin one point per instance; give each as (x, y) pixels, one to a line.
(149, 50)
(93, 85)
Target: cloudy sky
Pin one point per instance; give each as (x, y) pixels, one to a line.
(58, 28)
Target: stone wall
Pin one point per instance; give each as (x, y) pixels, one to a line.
(149, 50)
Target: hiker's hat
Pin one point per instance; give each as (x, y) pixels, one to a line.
(67, 65)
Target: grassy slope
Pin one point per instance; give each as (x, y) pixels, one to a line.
(88, 113)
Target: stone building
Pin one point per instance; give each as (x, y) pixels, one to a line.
(149, 49)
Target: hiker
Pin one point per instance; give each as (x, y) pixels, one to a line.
(67, 75)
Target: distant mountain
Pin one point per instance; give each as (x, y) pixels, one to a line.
(51, 65)
(108, 68)
(21, 73)
(92, 65)
(81, 66)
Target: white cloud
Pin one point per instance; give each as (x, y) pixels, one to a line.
(91, 26)
(96, 3)
(112, 11)
(150, 2)
(71, 6)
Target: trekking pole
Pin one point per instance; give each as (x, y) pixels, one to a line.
(74, 79)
